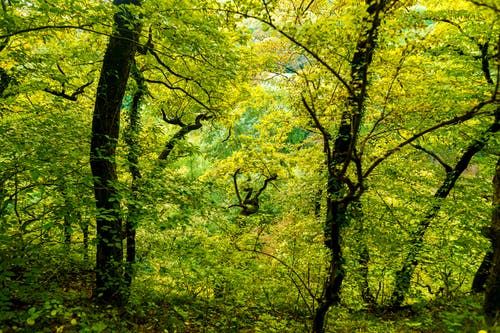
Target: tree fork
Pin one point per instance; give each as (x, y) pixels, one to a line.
(340, 158)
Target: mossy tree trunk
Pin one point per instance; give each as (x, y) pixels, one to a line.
(110, 282)
(340, 155)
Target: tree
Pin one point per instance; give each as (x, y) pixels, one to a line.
(351, 102)
(118, 59)
(492, 302)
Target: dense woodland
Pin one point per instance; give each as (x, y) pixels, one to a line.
(249, 166)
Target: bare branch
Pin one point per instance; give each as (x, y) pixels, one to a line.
(448, 122)
(180, 134)
(249, 205)
(73, 97)
(83, 27)
(446, 167)
(235, 181)
(172, 121)
(172, 87)
(268, 179)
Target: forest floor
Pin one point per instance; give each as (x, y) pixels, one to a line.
(61, 301)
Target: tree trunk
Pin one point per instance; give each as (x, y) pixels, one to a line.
(333, 282)
(492, 298)
(339, 159)
(133, 160)
(85, 230)
(110, 286)
(482, 273)
(405, 274)
(364, 255)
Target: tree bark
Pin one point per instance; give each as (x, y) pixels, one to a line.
(482, 273)
(181, 133)
(133, 160)
(339, 159)
(492, 298)
(405, 274)
(110, 285)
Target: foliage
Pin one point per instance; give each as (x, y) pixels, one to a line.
(268, 83)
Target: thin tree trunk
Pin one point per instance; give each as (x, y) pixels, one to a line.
(110, 285)
(85, 230)
(67, 231)
(364, 255)
(405, 274)
(133, 160)
(491, 304)
(482, 273)
(333, 281)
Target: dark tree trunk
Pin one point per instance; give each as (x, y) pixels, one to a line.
(133, 160)
(492, 298)
(67, 231)
(481, 276)
(85, 230)
(364, 255)
(339, 159)
(333, 282)
(405, 274)
(110, 284)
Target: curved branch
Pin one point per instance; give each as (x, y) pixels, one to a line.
(269, 179)
(249, 205)
(480, 4)
(170, 70)
(188, 94)
(446, 167)
(324, 133)
(49, 27)
(293, 40)
(236, 189)
(302, 282)
(73, 97)
(448, 122)
(185, 129)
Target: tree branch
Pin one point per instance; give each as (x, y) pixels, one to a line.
(324, 133)
(293, 40)
(290, 268)
(48, 27)
(73, 97)
(448, 122)
(235, 182)
(172, 87)
(446, 167)
(179, 135)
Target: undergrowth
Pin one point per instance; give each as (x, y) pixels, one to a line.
(58, 298)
